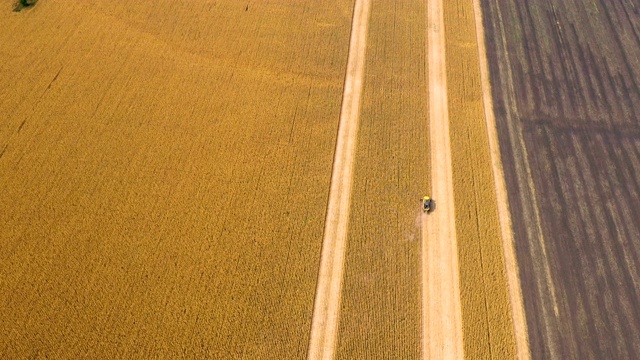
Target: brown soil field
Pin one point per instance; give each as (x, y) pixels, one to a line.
(380, 309)
(164, 171)
(566, 88)
(486, 314)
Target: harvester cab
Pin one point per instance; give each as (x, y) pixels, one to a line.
(427, 204)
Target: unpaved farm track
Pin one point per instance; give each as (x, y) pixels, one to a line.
(326, 307)
(566, 87)
(441, 309)
(164, 174)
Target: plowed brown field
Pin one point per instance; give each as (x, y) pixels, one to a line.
(164, 171)
(566, 84)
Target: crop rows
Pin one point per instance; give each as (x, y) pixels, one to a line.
(164, 174)
(486, 313)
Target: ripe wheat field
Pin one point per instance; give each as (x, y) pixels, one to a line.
(164, 172)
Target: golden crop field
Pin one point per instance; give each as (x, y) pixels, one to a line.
(486, 313)
(380, 314)
(164, 170)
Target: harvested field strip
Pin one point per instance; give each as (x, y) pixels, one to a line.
(568, 177)
(567, 83)
(380, 310)
(486, 313)
(164, 196)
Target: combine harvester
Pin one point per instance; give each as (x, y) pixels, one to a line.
(428, 204)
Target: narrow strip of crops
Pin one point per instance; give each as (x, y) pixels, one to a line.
(486, 313)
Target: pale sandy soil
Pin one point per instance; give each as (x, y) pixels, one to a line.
(442, 317)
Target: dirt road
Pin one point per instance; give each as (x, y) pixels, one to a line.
(326, 308)
(442, 317)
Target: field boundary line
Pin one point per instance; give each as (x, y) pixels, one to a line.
(441, 304)
(504, 215)
(326, 307)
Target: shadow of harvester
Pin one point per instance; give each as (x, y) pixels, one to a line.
(22, 4)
